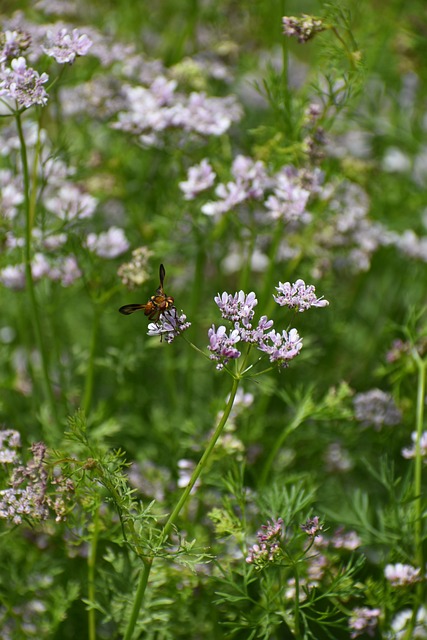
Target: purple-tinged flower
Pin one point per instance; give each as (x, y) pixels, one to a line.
(412, 452)
(312, 527)
(69, 271)
(71, 202)
(11, 194)
(398, 349)
(363, 620)
(65, 47)
(230, 195)
(376, 408)
(40, 266)
(257, 335)
(290, 198)
(313, 111)
(200, 178)
(412, 245)
(10, 441)
(271, 531)
(303, 28)
(298, 295)
(13, 277)
(208, 116)
(52, 242)
(251, 181)
(170, 325)
(33, 494)
(23, 84)
(156, 108)
(346, 540)
(400, 575)
(57, 7)
(238, 308)
(251, 174)
(110, 244)
(337, 458)
(281, 348)
(13, 44)
(268, 550)
(222, 346)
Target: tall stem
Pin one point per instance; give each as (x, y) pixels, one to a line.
(201, 464)
(418, 506)
(145, 573)
(91, 577)
(421, 391)
(29, 220)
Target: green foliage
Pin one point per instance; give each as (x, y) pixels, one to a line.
(149, 494)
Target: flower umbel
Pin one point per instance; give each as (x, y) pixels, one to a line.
(34, 494)
(303, 28)
(282, 347)
(169, 325)
(267, 551)
(222, 346)
(400, 575)
(23, 84)
(298, 296)
(363, 620)
(65, 47)
(239, 309)
(312, 527)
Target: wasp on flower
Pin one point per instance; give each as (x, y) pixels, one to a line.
(160, 308)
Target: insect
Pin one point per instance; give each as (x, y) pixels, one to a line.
(156, 305)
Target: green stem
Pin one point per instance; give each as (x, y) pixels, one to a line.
(202, 462)
(419, 462)
(419, 554)
(145, 573)
(29, 219)
(143, 581)
(418, 532)
(88, 392)
(296, 607)
(91, 578)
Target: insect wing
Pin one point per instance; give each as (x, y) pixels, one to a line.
(157, 303)
(131, 308)
(162, 274)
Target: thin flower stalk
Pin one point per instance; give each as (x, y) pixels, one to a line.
(28, 273)
(418, 504)
(91, 562)
(145, 572)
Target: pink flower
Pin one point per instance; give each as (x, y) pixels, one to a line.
(298, 295)
(400, 575)
(109, 244)
(23, 84)
(200, 178)
(65, 47)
